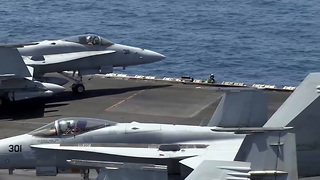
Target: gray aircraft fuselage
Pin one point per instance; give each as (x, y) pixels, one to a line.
(16, 153)
(61, 55)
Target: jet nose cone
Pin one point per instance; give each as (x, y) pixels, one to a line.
(158, 56)
(54, 87)
(152, 56)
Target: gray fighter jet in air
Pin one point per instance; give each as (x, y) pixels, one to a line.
(16, 79)
(83, 55)
(229, 149)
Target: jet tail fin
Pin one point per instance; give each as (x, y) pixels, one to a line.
(301, 111)
(272, 155)
(13, 63)
(241, 108)
(299, 103)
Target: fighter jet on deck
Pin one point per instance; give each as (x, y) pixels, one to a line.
(84, 55)
(16, 80)
(222, 149)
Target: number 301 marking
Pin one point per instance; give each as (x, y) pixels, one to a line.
(15, 148)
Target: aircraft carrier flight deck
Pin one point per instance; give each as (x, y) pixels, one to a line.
(120, 100)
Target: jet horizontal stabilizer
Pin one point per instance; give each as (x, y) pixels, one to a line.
(222, 169)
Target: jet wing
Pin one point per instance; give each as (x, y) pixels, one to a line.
(216, 150)
(208, 169)
(136, 152)
(17, 45)
(217, 158)
(63, 57)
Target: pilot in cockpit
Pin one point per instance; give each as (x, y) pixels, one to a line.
(89, 40)
(72, 126)
(67, 127)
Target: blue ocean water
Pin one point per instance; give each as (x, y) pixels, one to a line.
(251, 41)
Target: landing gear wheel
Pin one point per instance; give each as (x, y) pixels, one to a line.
(78, 88)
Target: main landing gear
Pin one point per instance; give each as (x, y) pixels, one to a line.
(77, 87)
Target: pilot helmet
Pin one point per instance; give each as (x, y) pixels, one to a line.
(89, 38)
(63, 125)
(71, 123)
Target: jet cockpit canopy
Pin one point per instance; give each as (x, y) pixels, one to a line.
(89, 39)
(71, 125)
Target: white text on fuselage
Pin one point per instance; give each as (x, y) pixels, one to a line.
(47, 141)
